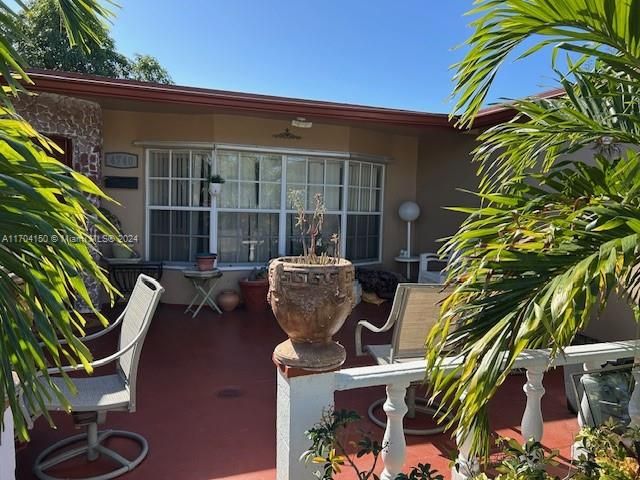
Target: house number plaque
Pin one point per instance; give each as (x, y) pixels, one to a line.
(121, 160)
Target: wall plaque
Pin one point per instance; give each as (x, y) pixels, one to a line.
(121, 182)
(121, 160)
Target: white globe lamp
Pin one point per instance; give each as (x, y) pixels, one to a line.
(409, 212)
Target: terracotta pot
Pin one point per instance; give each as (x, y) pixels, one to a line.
(311, 303)
(254, 293)
(206, 261)
(228, 300)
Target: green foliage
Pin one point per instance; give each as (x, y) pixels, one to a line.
(551, 239)
(43, 43)
(47, 217)
(216, 179)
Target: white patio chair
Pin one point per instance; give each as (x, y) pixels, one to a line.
(432, 268)
(98, 395)
(414, 312)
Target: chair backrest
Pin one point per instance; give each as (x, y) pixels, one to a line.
(418, 311)
(137, 318)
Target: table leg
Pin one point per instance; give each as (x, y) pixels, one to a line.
(195, 298)
(208, 296)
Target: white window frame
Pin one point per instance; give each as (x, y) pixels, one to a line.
(283, 211)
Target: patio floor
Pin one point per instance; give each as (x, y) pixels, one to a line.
(206, 401)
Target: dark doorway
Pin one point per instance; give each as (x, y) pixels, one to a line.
(67, 148)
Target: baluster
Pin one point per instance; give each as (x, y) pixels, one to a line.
(532, 422)
(395, 446)
(634, 401)
(466, 466)
(585, 418)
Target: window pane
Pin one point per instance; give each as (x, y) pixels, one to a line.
(311, 196)
(334, 173)
(354, 196)
(229, 195)
(200, 196)
(200, 223)
(179, 249)
(159, 248)
(363, 237)
(365, 197)
(180, 164)
(249, 167)
(365, 175)
(200, 165)
(199, 245)
(248, 195)
(270, 195)
(333, 198)
(376, 205)
(271, 167)
(180, 222)
(247, 237)
(180, 193)
(330, 227)
(159, 192)
(228, 165)
(292, 188)
(377, 176)
(159, 221)
(296, 170)
(158, 163)
(316, 172)
(354, 173)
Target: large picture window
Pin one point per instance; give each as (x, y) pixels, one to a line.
(253, 217)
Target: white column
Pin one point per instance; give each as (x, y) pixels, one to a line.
(7, 449)
(466, 466)
(634, 401)
(395, 446)
(532, 422)
(300, 404)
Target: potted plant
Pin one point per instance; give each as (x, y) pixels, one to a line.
(215, 184)
(206, 261)
(254, 290)
(311, 295)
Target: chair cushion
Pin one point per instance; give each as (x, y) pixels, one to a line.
(382, 355)
(107, 392)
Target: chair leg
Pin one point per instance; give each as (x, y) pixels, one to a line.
(93, 448)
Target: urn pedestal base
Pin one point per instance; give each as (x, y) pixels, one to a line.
(317, 357)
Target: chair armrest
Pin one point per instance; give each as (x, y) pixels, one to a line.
(372, 328)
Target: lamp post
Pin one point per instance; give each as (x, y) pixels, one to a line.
(409, 212)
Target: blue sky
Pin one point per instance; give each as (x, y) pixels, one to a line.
(373, 52)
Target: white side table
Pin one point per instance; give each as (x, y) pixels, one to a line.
(204, 281)
(408, 261)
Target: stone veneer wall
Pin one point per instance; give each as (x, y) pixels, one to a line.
(76, 119)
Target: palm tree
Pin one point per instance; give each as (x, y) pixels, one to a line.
(551, 239)
(46, 213)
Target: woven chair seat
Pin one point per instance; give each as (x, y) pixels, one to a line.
(108, 392)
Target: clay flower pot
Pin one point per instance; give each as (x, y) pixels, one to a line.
(254, 293)
(311, 303)
(206, 261)
(228, 300)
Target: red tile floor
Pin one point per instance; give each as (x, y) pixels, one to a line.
(207, 401)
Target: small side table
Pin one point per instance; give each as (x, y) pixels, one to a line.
(204, 281)
(408, 261)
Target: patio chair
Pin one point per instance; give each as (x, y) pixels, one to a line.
(432, 268)
(100, 394)
(414, 312)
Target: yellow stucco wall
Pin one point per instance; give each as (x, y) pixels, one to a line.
(123, 128)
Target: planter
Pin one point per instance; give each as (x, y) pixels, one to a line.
(311, 303)
(255, 293)
(215, 188)
(206, 261)
(120, 251)
(228, 300)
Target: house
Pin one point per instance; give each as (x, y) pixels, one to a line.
(365, 160)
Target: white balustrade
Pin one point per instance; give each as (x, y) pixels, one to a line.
(302, 400)
(7, 449)
(394, 443)
(634, 401)
(532, 422)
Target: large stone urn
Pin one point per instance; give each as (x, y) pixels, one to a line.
(311, 303)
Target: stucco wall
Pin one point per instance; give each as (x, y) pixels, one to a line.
(122, 128)
(444, 167)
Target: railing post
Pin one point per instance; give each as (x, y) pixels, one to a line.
(532, 422)
(301, 401)
(7, 448)
(395, 446)
(585, 418)
(466, 466)
(634, 401)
